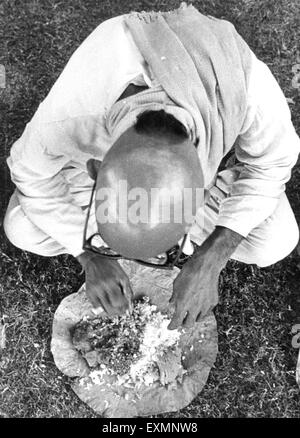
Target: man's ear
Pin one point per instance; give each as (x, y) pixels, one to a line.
(93, 168)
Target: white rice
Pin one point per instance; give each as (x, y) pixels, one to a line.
(157, 339)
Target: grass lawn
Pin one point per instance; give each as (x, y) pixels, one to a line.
(254, 375)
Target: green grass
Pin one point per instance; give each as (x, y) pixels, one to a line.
(254, 375)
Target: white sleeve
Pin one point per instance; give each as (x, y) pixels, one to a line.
(43, 192)
(268, 147)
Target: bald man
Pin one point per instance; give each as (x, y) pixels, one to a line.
(54, 164)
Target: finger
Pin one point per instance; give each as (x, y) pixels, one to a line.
(117, 300)
(177, 319)
(104, 303)
(98, 298)
(204, 312)
(201, 315)
(128, 293)
(173, 298)
(127, 289)
(189, 320)
(113, 305)
(114, 292)
(175, 294)
(93, 298)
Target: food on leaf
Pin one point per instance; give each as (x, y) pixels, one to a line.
(137, 347)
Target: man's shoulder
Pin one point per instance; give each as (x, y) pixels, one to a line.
(107, 29)
(94, 75)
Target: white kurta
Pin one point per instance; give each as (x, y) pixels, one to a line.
(48, 162)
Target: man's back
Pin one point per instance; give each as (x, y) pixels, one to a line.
(69, 128)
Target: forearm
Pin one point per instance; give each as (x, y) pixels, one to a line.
(42, 190)
(196, 287)
(219, 246)
(267, 149)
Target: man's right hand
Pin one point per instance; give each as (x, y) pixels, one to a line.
(107, 285)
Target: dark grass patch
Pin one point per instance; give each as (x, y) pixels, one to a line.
(254, 375)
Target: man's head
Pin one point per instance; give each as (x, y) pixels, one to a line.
(149, 186)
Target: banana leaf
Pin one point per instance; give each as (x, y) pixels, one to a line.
(199, 346)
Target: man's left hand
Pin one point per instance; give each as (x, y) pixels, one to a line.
(195, 290)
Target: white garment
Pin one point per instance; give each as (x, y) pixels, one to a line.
(68, 129)
(266, 244)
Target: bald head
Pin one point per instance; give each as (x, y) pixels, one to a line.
(156, 170)
(156, 159)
